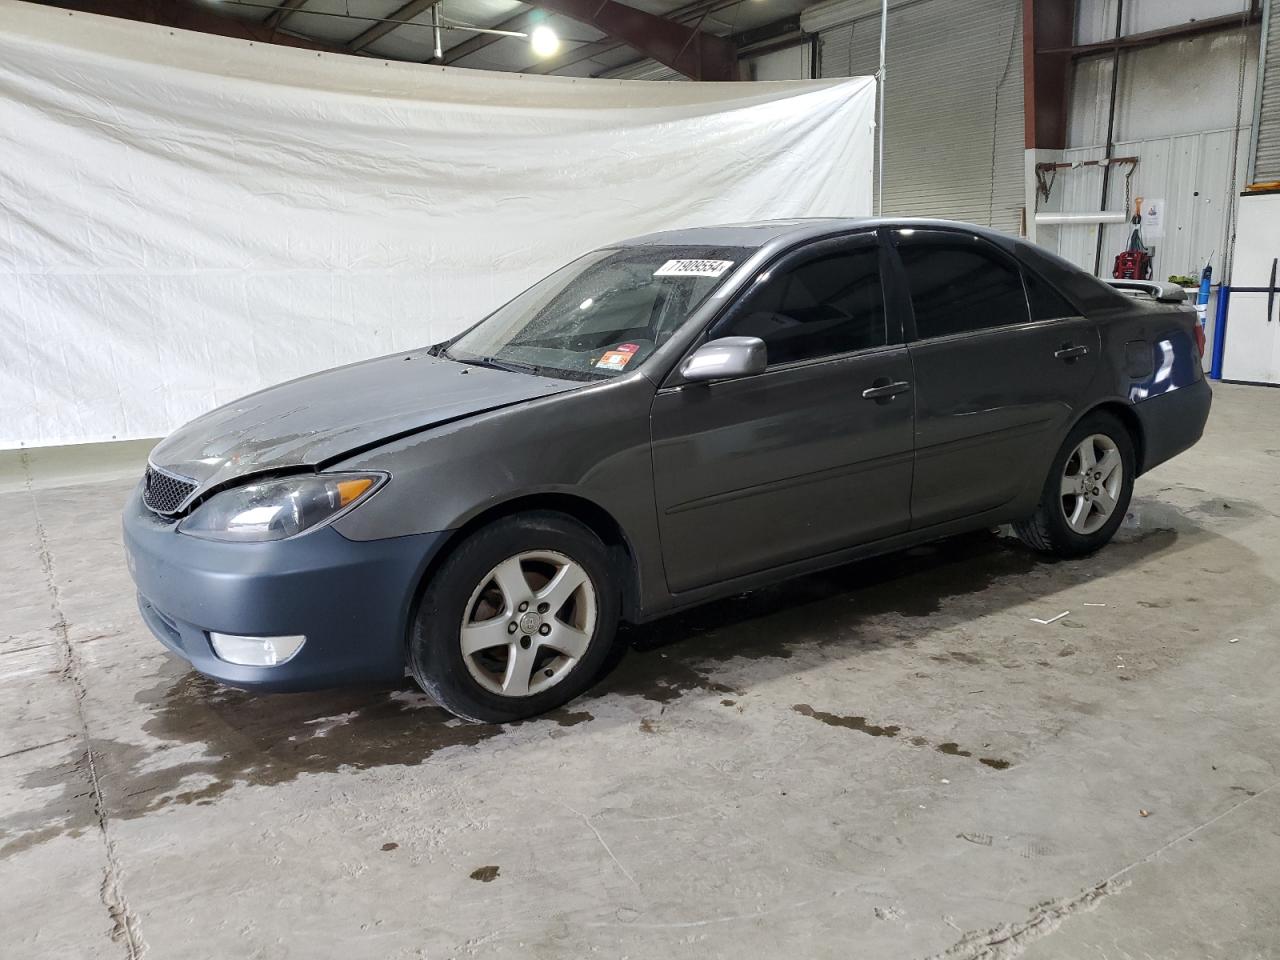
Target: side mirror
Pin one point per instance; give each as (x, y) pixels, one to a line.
(725, 359)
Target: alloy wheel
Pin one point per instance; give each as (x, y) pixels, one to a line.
(1091, 483)
(528, 623)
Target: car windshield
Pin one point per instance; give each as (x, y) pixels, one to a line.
(601, 315)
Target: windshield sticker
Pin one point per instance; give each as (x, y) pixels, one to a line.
(615, 359)
(693, 268)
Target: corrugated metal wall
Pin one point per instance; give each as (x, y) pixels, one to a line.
(953, 117)
(1190, 172)
(789, 63)
(1266, 157)
(1175, 110)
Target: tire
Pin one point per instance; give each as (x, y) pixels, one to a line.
(474, 601)
(1069, 520)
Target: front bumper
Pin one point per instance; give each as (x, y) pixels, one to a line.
(351, 599)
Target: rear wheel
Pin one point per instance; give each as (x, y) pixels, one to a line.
(519, 620)
(1087, 492)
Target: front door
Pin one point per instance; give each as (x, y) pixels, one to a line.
(795, 462)
(1001, 363)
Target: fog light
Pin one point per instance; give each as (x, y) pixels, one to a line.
(255, 651)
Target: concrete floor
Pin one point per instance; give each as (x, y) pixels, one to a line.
(888, 760)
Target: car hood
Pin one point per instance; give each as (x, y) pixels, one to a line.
(323, 417)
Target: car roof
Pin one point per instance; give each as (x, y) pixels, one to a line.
(762, 233)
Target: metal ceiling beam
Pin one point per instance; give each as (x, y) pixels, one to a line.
(183, 15)
(1151, 38)
(686, 49)
(519, 23)
(380, 30)
(581, 52)
(526, 19)
(692, 13)
(287, 9)
(1046, 73)
(777, 34)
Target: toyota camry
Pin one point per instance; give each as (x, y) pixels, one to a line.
(658, 423)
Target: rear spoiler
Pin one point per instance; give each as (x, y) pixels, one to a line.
(1161, 292)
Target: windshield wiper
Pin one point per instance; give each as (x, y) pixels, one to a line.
(511, 366)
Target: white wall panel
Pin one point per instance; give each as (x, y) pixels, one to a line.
(1181, 87)
(1190, 172)
(789, 63)
(1097, 18)
(953, 116)
(1184, 108)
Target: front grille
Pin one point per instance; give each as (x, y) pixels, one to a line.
(165, 493)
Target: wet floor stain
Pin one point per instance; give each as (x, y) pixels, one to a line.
(260, 739)
(824, 608)
(957, 656)
(852, 723)
(245, 738)
(1234, 509)
(485, 874)
(892, 730)
(679, 654)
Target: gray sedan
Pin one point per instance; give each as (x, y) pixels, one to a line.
(659, 423)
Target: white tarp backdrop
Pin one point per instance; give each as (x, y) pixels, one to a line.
(185, 219)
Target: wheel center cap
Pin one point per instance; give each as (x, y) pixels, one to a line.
(530, 622)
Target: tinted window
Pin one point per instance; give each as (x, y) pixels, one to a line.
(1084, 289)
(821, 308)
(958, 286)
(1046, 302)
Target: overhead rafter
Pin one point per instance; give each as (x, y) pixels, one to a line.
(184, 15)
(683, 47)
(380, 30)
(519, 23)
(583, 52)
(692, 13)
(287, 9)
(1151, 38)
(687, 49)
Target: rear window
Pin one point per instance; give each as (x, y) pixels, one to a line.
(1085, 291)
(958, 286)
(1046, 302)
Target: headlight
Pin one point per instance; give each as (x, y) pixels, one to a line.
(275, 509)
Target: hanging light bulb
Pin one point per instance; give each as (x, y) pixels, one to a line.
(544, 41)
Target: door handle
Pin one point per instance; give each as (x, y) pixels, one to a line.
(882, 389)
(1271, 289)
(1069, 352)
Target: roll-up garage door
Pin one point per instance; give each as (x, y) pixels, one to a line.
(953, 117)
(1266, 155)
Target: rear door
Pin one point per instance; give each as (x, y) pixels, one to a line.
(1001, 362)
(797, 461)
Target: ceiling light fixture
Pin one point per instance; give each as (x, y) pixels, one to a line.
(544, 42)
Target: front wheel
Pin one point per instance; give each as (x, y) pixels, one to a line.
(1087, 492)
(519, 620)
